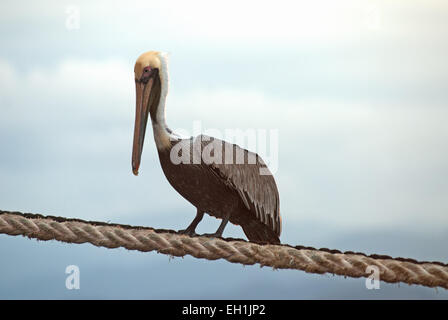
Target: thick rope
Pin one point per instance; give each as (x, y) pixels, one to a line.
(351, 264)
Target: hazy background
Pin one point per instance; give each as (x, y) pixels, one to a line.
(357, 89)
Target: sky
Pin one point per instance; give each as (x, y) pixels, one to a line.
(357, 91)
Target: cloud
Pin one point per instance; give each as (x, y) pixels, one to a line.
(82, 86)
(349, 163)
(312, 50)
(373, 164)
(318, 21)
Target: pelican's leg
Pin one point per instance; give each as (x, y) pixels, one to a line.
(192, 227)
(220, 230)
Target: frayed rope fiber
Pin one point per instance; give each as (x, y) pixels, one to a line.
(320, 261)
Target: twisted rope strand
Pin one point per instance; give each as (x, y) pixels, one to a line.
(320, 261)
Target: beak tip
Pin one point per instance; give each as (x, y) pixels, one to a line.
(135, 171)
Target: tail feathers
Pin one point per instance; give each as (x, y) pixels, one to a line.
(259, 232)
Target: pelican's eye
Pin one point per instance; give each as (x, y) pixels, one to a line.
(146, 75)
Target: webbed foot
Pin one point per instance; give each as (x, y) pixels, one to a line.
(212, 235)
(188, 232)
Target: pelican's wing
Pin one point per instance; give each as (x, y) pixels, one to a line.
(251, 179)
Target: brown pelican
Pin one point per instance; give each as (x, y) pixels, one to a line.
(219, 184)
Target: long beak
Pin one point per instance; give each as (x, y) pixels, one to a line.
(143, 91)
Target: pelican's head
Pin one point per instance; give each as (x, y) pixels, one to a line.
(147, 70)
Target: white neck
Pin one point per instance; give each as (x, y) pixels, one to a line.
(162, 135)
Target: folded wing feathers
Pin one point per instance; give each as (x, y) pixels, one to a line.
(246, 180)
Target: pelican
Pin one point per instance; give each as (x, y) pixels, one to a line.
(229, 190)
